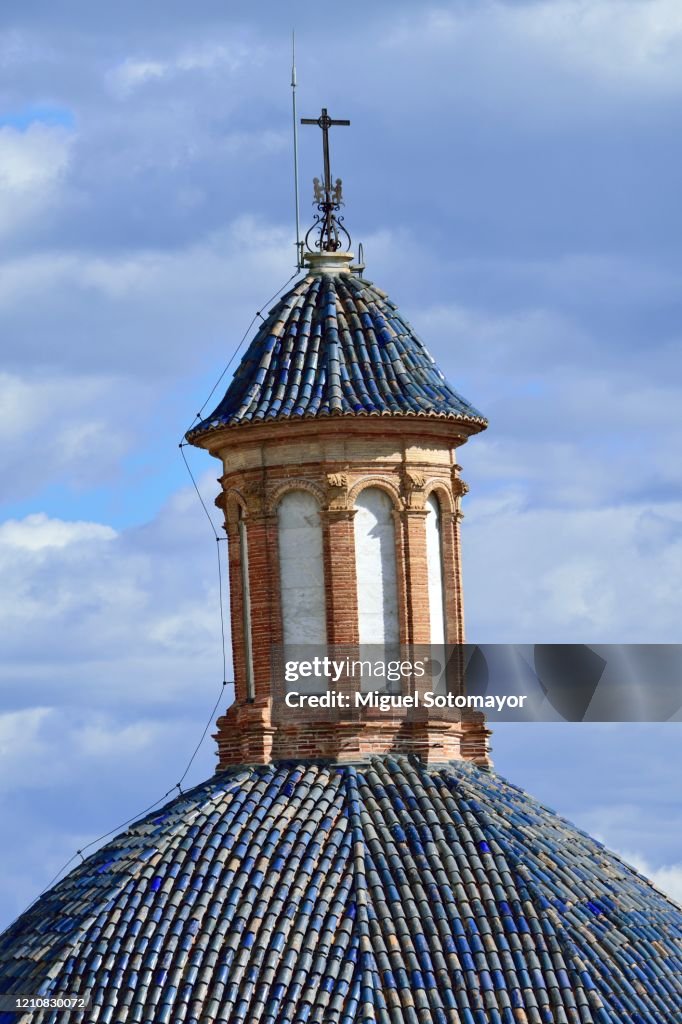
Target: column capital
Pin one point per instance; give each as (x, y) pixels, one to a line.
(338, 515)
(262, 515)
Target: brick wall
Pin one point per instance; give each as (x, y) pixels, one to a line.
(334, 460)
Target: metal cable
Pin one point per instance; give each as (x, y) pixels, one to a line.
(218, 539)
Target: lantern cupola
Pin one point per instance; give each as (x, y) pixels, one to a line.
(341, 490)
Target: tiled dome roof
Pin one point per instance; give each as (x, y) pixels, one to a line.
(333, 345)
(387, 893)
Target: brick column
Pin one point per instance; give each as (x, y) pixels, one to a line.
(415, 568)
(266, 617)
(475, 745)
(236, 611)
(339, 572)
(458, 630)
(454, 624)
(245, 732)
(342, 616)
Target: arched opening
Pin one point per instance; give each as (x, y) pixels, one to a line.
(376, 568)
(301, 569)
(436, 575)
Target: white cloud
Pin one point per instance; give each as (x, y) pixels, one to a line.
(19, 740)
(621, 43)
(156, 272)
(97, 614)
(38, 531)
(49, 746)
(103, 737)
(139, 311)
(32, 159)
(126, 325)
(578, 417)
(261, 143)
(32, 166)
(562, 573)
(111, 648)
(510, 340)
(134, 72)
(667, 878)
(56, 426)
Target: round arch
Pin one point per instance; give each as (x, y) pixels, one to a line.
(296, 484)
(442, 492)
(381, 483)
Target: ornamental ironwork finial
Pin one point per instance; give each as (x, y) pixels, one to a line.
(327, 196)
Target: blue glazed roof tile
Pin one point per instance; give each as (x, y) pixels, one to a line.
(388, 893)
(335, 345)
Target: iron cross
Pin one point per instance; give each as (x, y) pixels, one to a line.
(325, 122)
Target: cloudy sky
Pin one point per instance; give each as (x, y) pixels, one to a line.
(513, 171)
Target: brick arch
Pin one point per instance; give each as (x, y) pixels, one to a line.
(383, 484)
(297, 484)
(442, 492)
(232, 501)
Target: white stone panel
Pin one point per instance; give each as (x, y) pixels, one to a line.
(376, 568)
(301, 569)
(434, 561)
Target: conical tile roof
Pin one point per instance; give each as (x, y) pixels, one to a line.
(335, 344)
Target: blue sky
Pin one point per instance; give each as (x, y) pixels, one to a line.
(512, 170)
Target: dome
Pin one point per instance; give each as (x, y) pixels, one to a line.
(388, 893)
(335, 344)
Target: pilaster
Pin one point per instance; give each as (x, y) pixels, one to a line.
(339, 567)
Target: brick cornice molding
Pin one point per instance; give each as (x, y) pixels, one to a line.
(428, 428)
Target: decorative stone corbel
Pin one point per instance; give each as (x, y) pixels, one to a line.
(337, 490)
(221, 502)
(253, 493)
(459, 489)
(413, 487)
